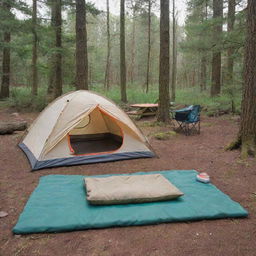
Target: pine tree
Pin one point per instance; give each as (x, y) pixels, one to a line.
(122, 52)
(34, 50)
(246, 138)
(81, 46)
(106, 80)
(58, 46)
(164, 67)
(216, 55)
(6, 62)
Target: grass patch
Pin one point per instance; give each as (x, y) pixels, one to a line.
(152, 124)
(164, 135)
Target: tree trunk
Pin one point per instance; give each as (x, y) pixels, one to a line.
(248, 115)
(51, 60)
(133, 48)
(203, 61)
(122, 52)
(247, 134)
(106, 81)
(34, 50)
(86, 55)
(149, 45)
(174, 54)
(216, 55)
(6, 62)
(81, 82)
(58, 46)
(230, 51)
(164, 65)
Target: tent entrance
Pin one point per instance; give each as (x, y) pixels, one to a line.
(97, 133)
(95, 143)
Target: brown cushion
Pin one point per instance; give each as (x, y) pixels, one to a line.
(130, 189)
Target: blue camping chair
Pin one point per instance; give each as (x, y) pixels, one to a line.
(188, 119)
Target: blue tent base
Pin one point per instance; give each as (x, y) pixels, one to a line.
(86, 159)
(59, 204)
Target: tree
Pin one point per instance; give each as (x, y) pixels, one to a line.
(216, 55)
(149, 44)
(58, 46)
(6, 62)
(122, 52)
(164, 67)
(246, 138)
(81, 46)
(203, 61)
(230, 51)
(34, 50)
(106, 80)
(51, 59)
(174, 54)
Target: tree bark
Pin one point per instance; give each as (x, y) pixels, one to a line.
(58, 46)
(216, 55)
(6, 62)
(174, 54)
(34, 50)
(51, 60)
(122, 52)
(81, 68)
(149, 45)
(248, 115)
(246, 138)
(86, 55)
(133, 47)
(230, 51)
(203, 61)
(164, 65)
(106, 81)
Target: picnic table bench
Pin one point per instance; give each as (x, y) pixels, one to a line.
(144, 109)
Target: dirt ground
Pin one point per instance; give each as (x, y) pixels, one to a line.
(204, 152)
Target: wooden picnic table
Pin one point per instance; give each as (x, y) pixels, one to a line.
(144, 109)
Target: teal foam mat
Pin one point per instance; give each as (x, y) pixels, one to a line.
(59, 204)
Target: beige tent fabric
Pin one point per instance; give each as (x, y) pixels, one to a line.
(67, 112)
(130, 189)
(41, 128)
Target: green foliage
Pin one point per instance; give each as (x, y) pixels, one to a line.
(21, 98)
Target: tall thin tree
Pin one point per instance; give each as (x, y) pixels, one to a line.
(216, 55)
(164, 65)
(246, 138)
(6, 61)
(58, 46)
(106, 80)
(149, 44)
(81, 43)
(203, 52)
(230, 51)
(174, 53)
(34, 50)
(51, 58)
(122, 52)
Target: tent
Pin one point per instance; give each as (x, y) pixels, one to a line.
(82, 127)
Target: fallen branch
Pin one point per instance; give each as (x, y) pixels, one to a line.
(9, 128)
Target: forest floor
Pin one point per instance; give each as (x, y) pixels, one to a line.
(204, 152)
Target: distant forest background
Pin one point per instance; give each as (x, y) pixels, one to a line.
(213, 35)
